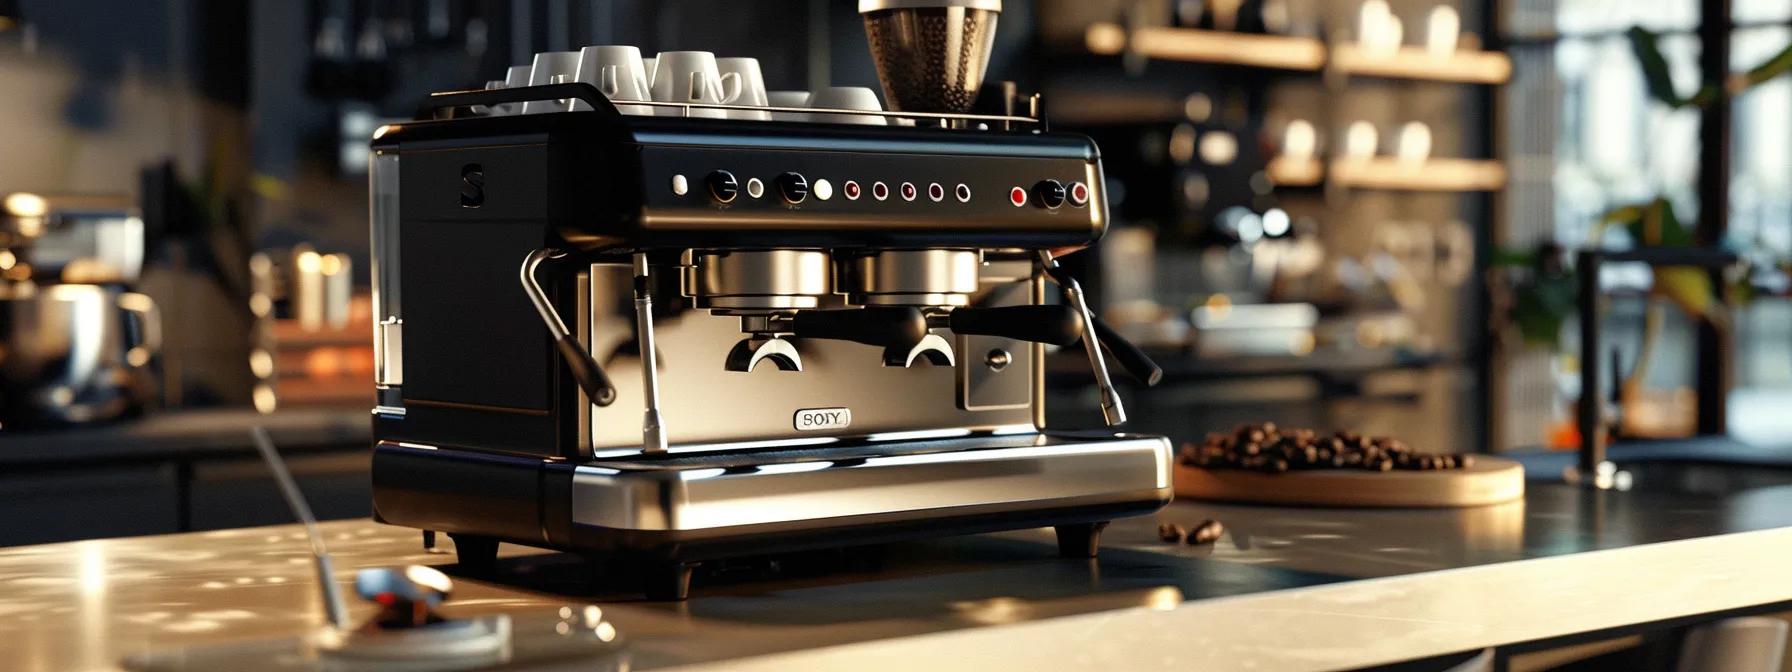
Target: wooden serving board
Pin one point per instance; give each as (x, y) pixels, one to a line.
(1490, 481)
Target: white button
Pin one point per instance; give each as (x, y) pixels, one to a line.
(680, 185)
(822, 189)
(755, 188)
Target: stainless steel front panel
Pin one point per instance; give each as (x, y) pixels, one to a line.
(703, 403)
(1040, 473)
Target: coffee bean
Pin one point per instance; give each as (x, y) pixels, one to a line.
(1171, 532)
(1206, 533)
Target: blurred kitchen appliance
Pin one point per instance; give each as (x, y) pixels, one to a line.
(76, 345)
(311, 331)
(761, 335)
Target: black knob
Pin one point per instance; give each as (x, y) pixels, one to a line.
(793, 187)
(1049, 193)
(723, 186)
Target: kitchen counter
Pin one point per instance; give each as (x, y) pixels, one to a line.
(1284, 589)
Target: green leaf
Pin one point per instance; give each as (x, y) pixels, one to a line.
(1655, 66)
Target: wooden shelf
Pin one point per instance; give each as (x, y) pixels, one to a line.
(1296, 53)
(1410, 62)
(1438, 174)
(1208, 46)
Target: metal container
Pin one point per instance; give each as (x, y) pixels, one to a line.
(931, 54)
(912, 278)
(75, 353)
(758, 279)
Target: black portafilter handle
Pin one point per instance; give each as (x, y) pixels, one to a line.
(1050, 324)
(884, 326)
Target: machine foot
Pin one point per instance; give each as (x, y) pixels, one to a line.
(476, 554)
(1082, 540)
(669, 581)
(429, 541)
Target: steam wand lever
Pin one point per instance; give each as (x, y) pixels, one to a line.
(1111, 408)
(585, 370)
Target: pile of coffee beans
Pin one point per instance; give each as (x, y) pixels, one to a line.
(1270, 449)
(1207, 532)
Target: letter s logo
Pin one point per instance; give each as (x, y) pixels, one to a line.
(472, 188)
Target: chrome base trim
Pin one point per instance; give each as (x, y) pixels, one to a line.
(1041, 471)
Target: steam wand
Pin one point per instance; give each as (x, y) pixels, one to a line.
(1111, 408)
(653, 429)
(320, 557)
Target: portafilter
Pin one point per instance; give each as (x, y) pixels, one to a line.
(931, 54)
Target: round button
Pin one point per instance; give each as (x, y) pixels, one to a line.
(680, 186)
(908, 191)
(964, 193)
(755, 188)
(879, 191)
(793, 187)
(1050, 193)
(1079, 194)
(851, 189)
(823, 189)
(723, 186)
(936, 192)
(1017, 196)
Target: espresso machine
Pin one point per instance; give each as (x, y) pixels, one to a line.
(76, 344)
(671, 339)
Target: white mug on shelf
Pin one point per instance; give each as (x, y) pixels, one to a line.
(692, 77)
(847, 98)
(788, 99)
(552, 67)
(618, 73)
(752, 86)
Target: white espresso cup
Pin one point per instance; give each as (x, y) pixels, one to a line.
(516, 76)
(692, 77)
(752, 86)
(788, 99)
(847, 98)
(617, 72)
(552, 67)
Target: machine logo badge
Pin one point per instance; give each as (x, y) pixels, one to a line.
(810, 419)
(472, 188)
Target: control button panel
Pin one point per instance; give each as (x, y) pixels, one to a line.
(722, 186)
(1050, 193)
(793, 187)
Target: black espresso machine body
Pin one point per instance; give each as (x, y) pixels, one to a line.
(771, 335)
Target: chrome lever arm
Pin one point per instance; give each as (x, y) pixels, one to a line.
(1111, 409)
(585, 370)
